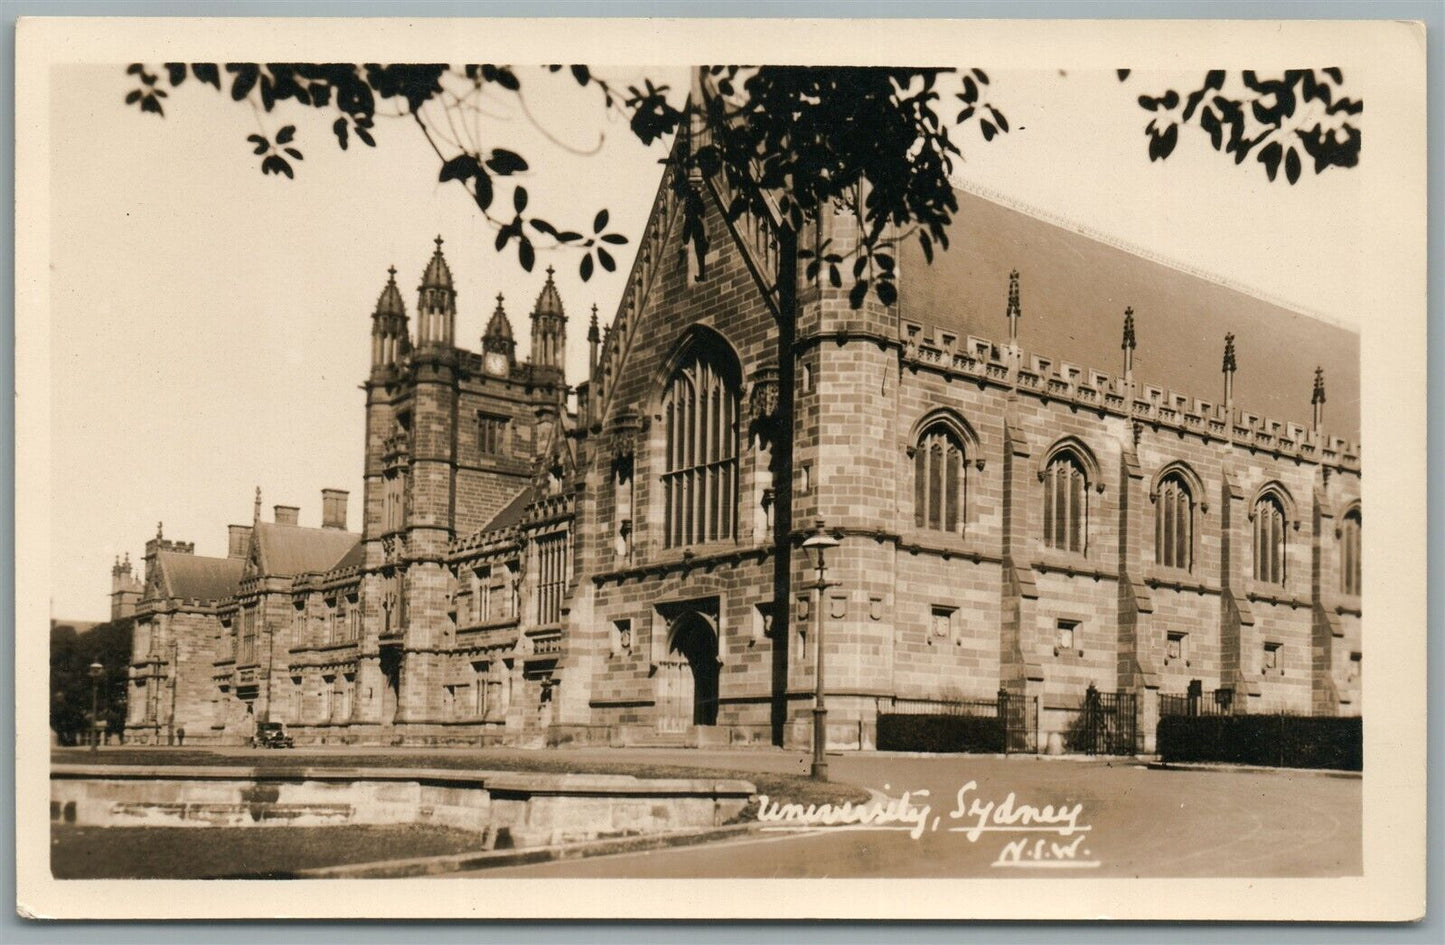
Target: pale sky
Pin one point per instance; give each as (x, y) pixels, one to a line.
(211, 325)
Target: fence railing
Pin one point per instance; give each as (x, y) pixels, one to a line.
(1007, 723)
(1107, 723)
(1194, 704)
(971, 708)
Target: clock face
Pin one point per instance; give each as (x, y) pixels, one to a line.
(495, 363)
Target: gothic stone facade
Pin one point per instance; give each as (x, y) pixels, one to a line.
(536, 572)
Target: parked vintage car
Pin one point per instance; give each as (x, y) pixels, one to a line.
(271, 735)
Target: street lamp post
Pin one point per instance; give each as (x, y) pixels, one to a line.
(96, 671)
(818, 543)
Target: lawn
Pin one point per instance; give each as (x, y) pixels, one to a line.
(216, 852)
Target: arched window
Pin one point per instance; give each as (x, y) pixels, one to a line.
(1174, 523)
(700, 477)
(1066, 503)
(1269, 539)
(1350, 573)
(938, 480)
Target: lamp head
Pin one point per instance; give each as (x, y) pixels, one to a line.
(96, 670)
(819, 542)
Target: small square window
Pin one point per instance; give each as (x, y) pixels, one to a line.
(1064, 635)
(1271, 656)
(1175, 647)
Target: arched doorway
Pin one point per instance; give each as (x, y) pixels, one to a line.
(689, 687)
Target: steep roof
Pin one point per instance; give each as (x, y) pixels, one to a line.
(549, 301)
(1074, 289)
(195, 577)
(438, 274)
(389, 302)
(355, 558)
(512, 512)
(499, 326)
(285, 550)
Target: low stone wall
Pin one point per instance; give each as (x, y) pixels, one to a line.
(509, 809)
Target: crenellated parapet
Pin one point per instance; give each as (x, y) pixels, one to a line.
(925, 347)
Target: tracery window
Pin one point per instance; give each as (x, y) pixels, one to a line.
(1269, 539)
(554, 561)
(939, 471)
(247, 652)
(1174, 523)
(1350, 571)
(700, 477)
(1066, 503)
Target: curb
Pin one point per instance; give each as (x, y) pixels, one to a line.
(491, 859)
(1252, 769)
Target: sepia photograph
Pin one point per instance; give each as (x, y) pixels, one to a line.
(946, 463)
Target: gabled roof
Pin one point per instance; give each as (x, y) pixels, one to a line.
(1074, 289)
(512, 512)
(355, 558)
(195, 577)
(287, 550)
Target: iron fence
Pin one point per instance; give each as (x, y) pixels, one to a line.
(971, 708)
(1195, 703)
(1007, 723)
(1108, 723)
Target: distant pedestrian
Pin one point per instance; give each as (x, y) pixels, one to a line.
(181, 735)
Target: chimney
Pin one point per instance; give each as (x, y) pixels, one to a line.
(333, 508)
(287, 514)
(238, 540)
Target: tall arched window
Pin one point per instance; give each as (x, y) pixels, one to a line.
(1066, 503)
(938, 480)
(1269, 539)
(1174, 523)
(700, 477)
(1350, 572)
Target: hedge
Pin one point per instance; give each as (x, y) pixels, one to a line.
(940, 733)
(1286, 741)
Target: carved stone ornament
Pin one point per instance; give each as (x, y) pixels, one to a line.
(622, 440)
(763, 395)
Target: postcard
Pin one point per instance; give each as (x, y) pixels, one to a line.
(681, 469)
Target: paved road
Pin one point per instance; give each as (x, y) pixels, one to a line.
(1141, 822)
